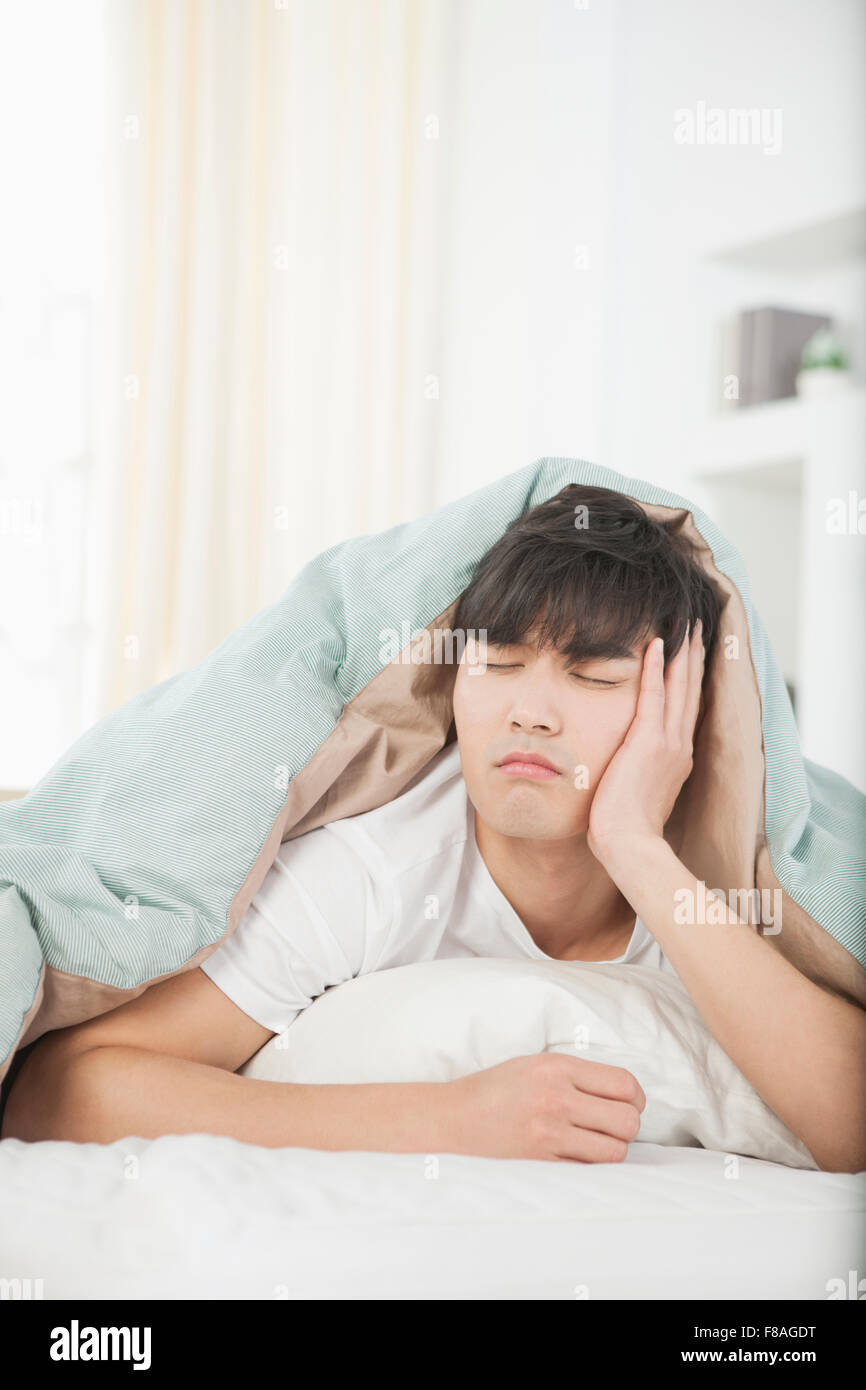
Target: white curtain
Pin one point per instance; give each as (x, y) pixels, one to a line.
(267, 373)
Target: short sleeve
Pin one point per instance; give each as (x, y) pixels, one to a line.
(318, 919)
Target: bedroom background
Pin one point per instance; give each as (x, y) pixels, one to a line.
(274, 274)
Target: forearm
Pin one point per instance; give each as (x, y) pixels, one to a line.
(109, 1093)
(802, 1048)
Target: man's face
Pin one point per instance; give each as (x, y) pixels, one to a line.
(535, 702)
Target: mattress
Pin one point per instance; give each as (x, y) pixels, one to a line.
(206, 1217)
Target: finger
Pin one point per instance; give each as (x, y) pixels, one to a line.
(585, 1146)
(615, 1117)
(603, 1079)
(676, 688)
(696, 680)
(651, 696)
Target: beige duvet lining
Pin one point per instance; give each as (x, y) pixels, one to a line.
(402, 718)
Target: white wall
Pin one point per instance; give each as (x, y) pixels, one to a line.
(564, 135)
(675, 203)
(521, 371)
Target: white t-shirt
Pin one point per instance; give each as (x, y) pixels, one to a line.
(402, 883)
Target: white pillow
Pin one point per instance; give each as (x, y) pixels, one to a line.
(442, 1019)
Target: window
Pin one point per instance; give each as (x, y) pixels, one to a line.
(51, 119)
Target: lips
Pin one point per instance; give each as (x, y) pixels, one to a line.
(532, 765)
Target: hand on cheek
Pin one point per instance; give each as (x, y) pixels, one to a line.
(643, 779)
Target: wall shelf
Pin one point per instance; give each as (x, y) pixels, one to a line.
(810, 247)
(768, 476)
(779, 432)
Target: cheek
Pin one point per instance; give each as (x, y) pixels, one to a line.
(470, 718)
(617, 723)
(472, 701)
(600, 727)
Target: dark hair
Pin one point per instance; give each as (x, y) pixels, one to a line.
(597, 583)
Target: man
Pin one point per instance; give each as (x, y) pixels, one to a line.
(538, 834)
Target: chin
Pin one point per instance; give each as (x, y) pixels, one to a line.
(524, 815)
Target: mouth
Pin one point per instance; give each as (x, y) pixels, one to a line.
(531, 765)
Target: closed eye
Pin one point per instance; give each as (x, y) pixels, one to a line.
(589, 680)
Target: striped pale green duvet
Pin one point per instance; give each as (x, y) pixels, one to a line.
(143, 844)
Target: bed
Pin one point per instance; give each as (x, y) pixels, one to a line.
(688, 1214)
(203, 1217)
(143, 847)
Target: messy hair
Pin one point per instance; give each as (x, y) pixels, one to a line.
(594, 576)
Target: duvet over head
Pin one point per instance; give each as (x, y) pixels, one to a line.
(143, 846)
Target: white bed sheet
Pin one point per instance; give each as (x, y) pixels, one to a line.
(199, 1216)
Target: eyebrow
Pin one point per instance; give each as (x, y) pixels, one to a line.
(632, 657)
(591, 660)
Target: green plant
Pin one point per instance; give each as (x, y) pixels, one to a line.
(823, 350)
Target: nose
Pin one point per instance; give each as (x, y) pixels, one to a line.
(526, 723)
(533, 709)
